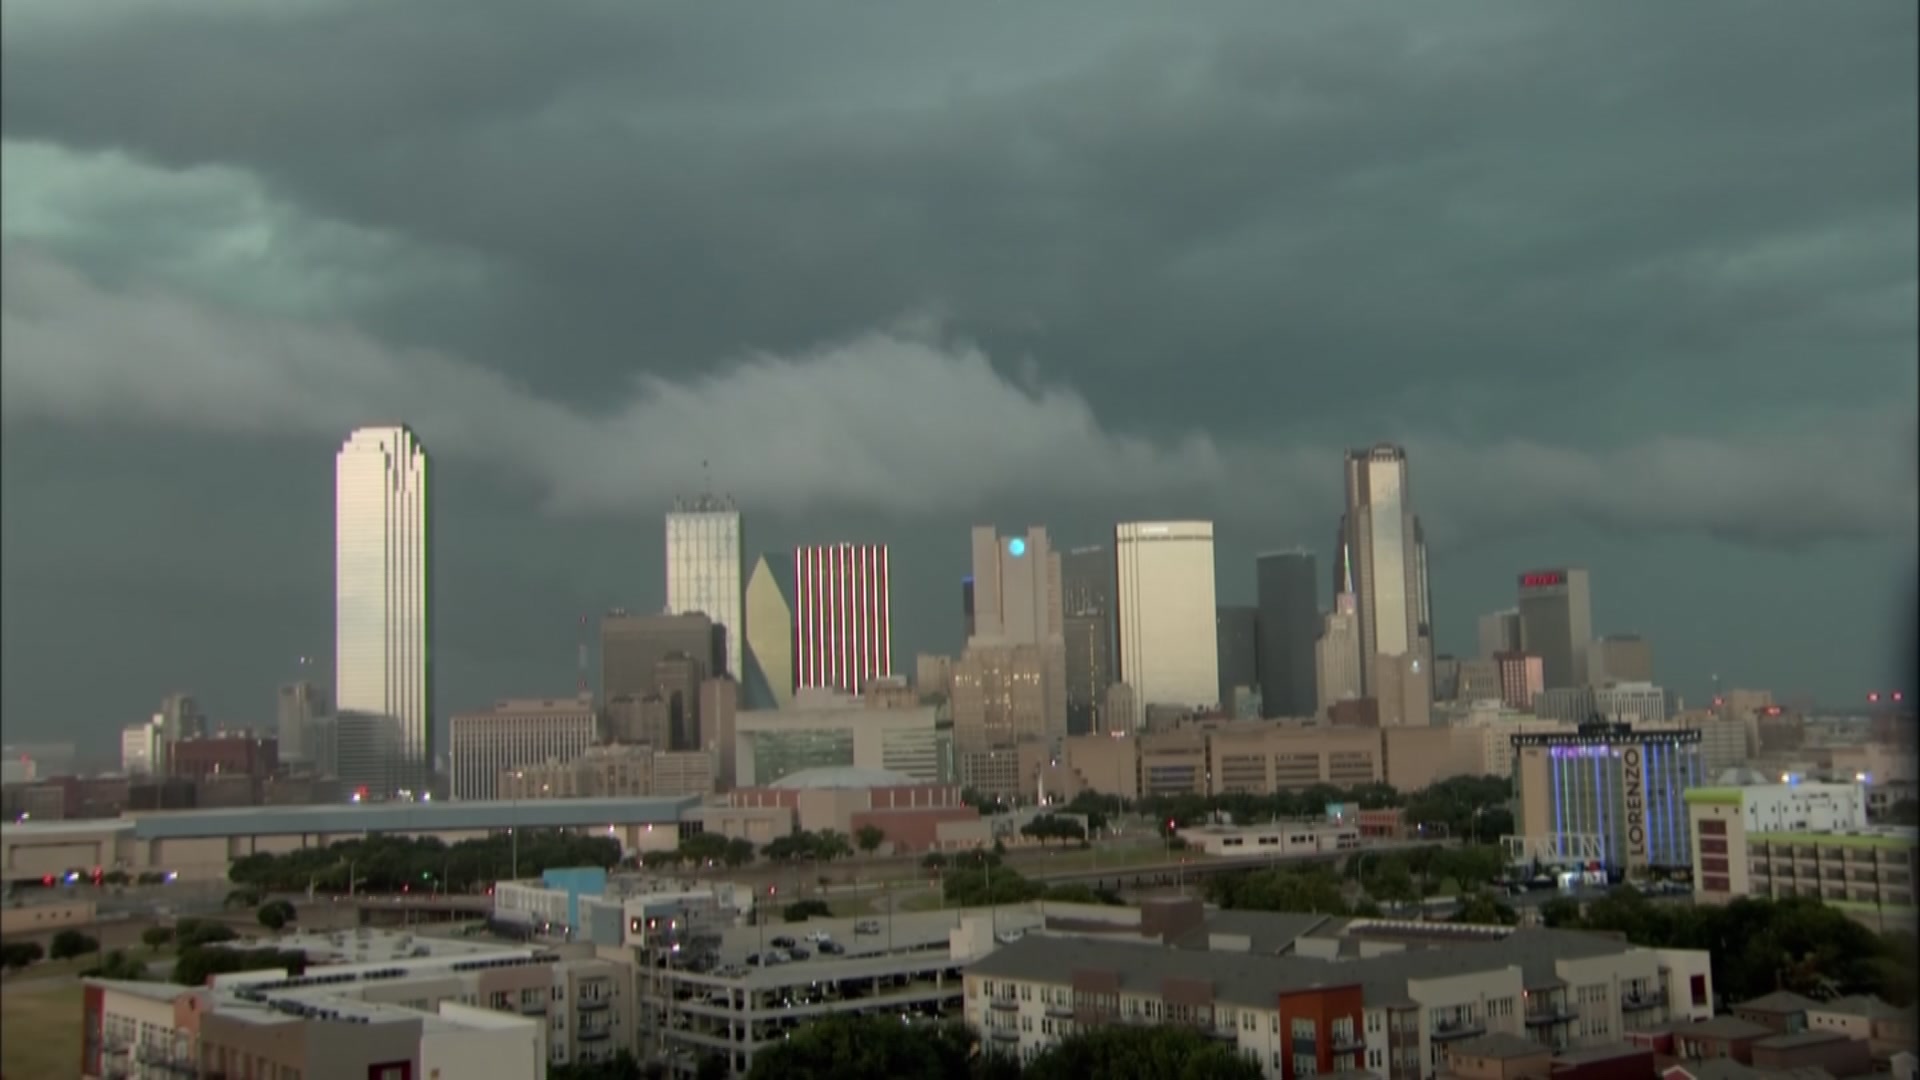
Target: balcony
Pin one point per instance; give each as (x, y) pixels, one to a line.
(1552, 1014)
(1004, 1035)
(1003, 1004)
(593, 1034)
(1637, 1000)
(593, 1004)
(1348, 1044)
(533, 1008)
(1060, 1011)
(1462, 1028)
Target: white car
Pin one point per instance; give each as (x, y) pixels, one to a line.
(819, 936)
(1008, 937)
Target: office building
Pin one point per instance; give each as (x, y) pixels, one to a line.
(1002, 695)
(719, 710)
(1606, 793)
(1723, 742)
(1624, 658)
(842, 623)
(1166, 613)
(513, 734)
(1500, 633)
(767, 674)
(1806, 839)
(704, 571)
(1336, 656)
(1237, 638)
(1522, 676)
(605, 772)
(383, 592)
(299, 704)
(1479, 680)
(180, 718)
(1087, 584)
(1632, 703)
(143, 749)
(1381, 557)
(1572, 703)
(1016, 652)
(1302, 995)
(632, 646)
(224, 755)
(367, 753)
(677, 679)
(829, 730)
(1556, 622)
(1288, 596)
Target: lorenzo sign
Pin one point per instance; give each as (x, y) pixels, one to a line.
(1636, 809)
(1544, 579)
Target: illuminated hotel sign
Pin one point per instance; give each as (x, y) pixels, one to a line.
(1542, 579)
(1636, 808)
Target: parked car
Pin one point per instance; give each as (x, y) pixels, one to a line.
(866, 926)
(784, 942)
(832, 948)
(819, 937)
(798, 953)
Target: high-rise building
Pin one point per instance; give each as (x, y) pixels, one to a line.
(365, 752)
(1289, 599)
(143, 749)
(1168, 656)
(842, 626)
(383, 592)
(703, 568)
(1521, 678)
(767, 677)
(632, 646)
(1633, 703)
(1556, 622)
(719, 709)
(1237, 639)
(1619, 658)
(1381, 558)
(1015, 663)
(1500, 633)
(1086, 602)
(513, 733)
(676, 679)
(1610, 793)
(1336, 656)
(180, 718)
(300, 703)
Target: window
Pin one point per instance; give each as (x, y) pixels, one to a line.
(1713, 828)
(1698, 986)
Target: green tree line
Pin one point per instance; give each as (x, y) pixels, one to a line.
(865, 1047)
(389, 863)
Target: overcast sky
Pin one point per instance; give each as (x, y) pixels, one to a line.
(1633, 281)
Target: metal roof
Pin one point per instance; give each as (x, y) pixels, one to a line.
(410, 817)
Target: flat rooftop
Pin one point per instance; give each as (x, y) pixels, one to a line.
(355, 818)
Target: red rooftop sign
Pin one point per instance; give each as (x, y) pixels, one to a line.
(1542, 579)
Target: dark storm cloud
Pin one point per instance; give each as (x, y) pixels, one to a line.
(1375, 211)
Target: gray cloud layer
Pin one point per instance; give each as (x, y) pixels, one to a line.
(897, 421)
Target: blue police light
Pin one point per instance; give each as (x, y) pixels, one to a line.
(1016, 547)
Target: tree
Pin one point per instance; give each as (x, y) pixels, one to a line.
(739, 853)
(196, 965)
(869, 838)
(19, 954)
(1125, 1052)
(243, 898)
(275, 914)
(802, 910)
(69, 943)
(875, 1046)
(1479, 908)
(153, 937)
(934, 861)
(194, 932)
(118, 965)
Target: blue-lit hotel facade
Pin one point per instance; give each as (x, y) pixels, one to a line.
(1609, 793)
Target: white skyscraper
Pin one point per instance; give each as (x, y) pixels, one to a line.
(383, 593)
(1336, 655)
(704, 572)
(1166, 622)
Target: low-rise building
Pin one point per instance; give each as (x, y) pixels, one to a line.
(1887, 1029)
(1783, 840)
(1276, 838)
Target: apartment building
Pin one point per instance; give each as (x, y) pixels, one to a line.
(1780, 840)
(139, 1029)
(1299, 1006)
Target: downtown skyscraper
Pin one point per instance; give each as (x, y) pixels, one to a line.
(1381, 557)
(1168, 647)
(383, 597)
(704, 569)
(842, 626)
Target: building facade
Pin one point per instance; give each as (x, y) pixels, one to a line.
(1087, 606)
(833, 731)
(512, 735)
(704, 571)
(299, 704)
(1522, 676)
(1166, 612)
(1336, 656)
(1236, 631)
(842, 622)
(1624, 658)
(1500, 633)
(1381, 557)
(1556, 622)
(767, 675)
(1608, 793)
(383, 591)
(1806, 840)
(1287, 590)
(1011, 681)
(632, 646)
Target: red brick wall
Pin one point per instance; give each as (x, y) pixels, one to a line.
(1323, 1006)
(912, 830)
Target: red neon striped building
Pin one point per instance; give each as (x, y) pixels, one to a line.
(842, 632)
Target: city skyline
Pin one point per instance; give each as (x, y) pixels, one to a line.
(1067, 268)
